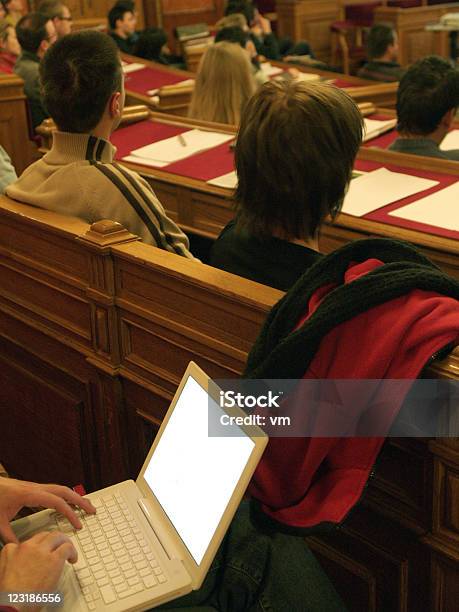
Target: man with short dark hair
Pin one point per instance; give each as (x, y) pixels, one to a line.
(83, 90)
(382, 50)
(59, 14)
(35, 33)
(427, 100)
(122, 22)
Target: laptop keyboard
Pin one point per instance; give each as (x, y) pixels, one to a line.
(114, 559)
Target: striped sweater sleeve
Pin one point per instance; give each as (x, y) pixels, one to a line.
(143, 215)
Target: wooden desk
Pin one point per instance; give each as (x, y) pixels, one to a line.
(203, 209)
(169, 98)
(14, 127)
(413, 39)
(361, 90)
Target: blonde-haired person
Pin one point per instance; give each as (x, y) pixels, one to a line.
(224, 84)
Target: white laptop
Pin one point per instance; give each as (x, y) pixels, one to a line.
(153, 540)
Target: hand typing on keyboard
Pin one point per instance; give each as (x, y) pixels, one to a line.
(17, 494)
(35, 565)
(114, 558)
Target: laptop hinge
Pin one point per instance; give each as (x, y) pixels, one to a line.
(163, 539)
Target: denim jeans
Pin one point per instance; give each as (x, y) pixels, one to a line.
(261, 572)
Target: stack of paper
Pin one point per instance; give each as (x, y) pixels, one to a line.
(307, 76)
(379, 188)
(375, 128)
(227, 181)
(176, 148)
(127, 68)
(439, 209)
(185, 83)
(271, 70)
(451, 141)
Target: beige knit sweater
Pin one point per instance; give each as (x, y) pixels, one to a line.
(78, 177)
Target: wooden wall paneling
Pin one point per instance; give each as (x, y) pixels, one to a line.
(14, 130)
(173, 13)
(308, 20)
(415, 41)
(158, 311)
(376, 565)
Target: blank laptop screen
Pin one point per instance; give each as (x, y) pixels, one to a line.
(192, 475)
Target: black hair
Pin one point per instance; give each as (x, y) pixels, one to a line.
(381, 36)
(78, 74)
(233, 34)
(241, 6)
(117, 12)
(31, 31)
(150, 43)
(427, 91)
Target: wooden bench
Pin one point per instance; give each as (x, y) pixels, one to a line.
(14, 127)
(97, 329)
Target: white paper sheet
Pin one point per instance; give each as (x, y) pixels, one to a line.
(307, 76)
(450, 141)
(379, 188)
(227, 181)
(271, 70)
(374, 128)
(127, 68)
(145, 162)
(175, 148)
(439, 209)
(185, 83)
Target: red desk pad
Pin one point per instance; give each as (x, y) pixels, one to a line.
(382, 214)
(148, 78)
(343, 84)
(202, 166)
(220, 160)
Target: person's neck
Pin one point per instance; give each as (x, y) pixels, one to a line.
(436, 136)
(386, 58)
(310, 243)
(121, 34)
(103, 130)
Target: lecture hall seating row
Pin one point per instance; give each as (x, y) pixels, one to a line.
(96, 331)
(203, 209)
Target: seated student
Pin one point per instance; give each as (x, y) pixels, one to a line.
(252, 570)
(83, 89)
(382, 51)
(10, 49)
(7, 171)
(14, 10)
(294, 156)
(152, 45)
(36, 33)
(265, 40)
(59, 14)
(122, 21)
(237, 35)
(427, 100)
(224, 84)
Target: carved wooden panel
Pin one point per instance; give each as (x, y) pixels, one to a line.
(402, 486)
(446, 585)
(387, 571)
(308, 20)
(14, 130)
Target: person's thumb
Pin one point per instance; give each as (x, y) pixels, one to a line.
(6, 532)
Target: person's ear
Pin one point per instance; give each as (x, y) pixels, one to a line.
(114, 105)
(448, 118)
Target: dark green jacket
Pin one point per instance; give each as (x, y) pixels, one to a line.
(27, 67)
